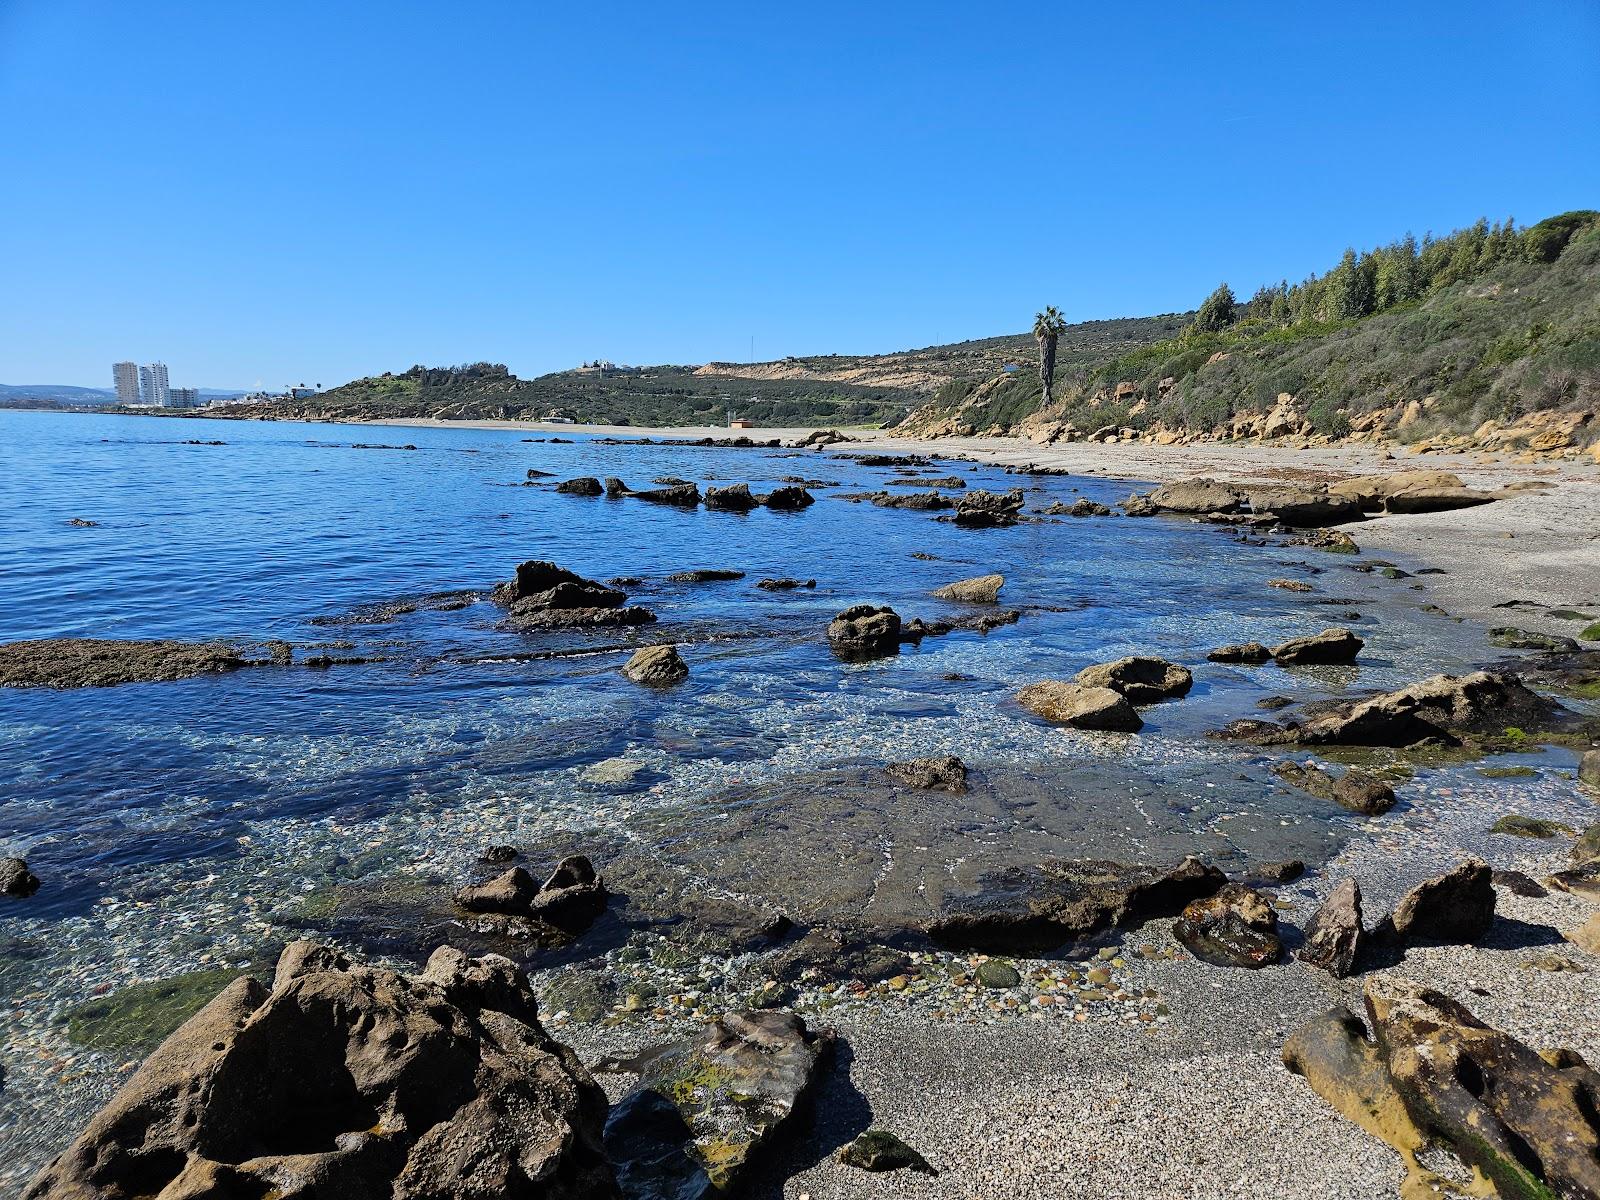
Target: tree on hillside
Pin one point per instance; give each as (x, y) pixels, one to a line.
(1218, 312)
(1047, 327)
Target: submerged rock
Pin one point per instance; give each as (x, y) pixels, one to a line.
(16, 880)
(350, 1080)
(704, 1106)
(865, 630)
(1329, 646)
(105, 662)
(945, 773)
(879, 1150)
(1071, 901)
(1456, 907)
(1082, 707)
(1234, 927)
(1355, 790)
(656, 666)
(982, 589)
(1142, 679)
(1334, 934)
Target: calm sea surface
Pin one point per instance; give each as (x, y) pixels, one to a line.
(173, 824)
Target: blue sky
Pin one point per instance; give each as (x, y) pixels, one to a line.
(286, 191)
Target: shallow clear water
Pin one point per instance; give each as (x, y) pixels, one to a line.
(172, 824)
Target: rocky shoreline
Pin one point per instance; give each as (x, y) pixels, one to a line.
(691, 956)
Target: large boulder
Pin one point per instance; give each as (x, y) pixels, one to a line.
(1234, 927)
(1527, 1120)
(106, 662)
(584, 486)
(704, 1106)
(1072, 901)
(678, 495)
(656, 666)
(981, 589)
(865, 630)
(1328, 647)
(788, 499)
(1456, 907)
(347, 1080)
(543, 595)
(1304, 508)
(1371, 492)
(1079, 706)
(1440, 708)
(1195, 496)
(943, 773)
(1335, 932)
(1142, 679)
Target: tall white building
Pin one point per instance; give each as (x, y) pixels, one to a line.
(185, 398)
(153, 384)
(126, 375)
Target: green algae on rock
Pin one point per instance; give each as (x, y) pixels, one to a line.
(135, 1019)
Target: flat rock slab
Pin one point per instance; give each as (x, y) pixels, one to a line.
(105, 662)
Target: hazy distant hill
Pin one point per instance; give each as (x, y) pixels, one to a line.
(60, 393)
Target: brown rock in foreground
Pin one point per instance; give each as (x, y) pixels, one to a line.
(1334, 935)
(1329, 646)
(656, 666)
(1141, 678)
(1457, 906)
(863, 630)
(982, 589)
(106, 662)
(1082, 707)
(1234, 927)
(345, 1080)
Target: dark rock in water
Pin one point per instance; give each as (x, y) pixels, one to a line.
(788, 499)
(1139, 506)
(1444, 709)
(1195, 496)
(1081, 707)
(80, 523)
(879, 1150)
(704, 1106)
(496, 855)
(1355, 790)
(946, 773)
(987, 510)
(705, 575)
(545, 596)
(1078, 508)
(1513, 638)
(734, 498)
(103, 662)
(952, 482)
(15, 878)
(784, 585)
(1456, 907)
(1242, 652)
(1234, 927)
(1527, 1120)
(535, 473)
(917, 501)
(1142, 679)
(1334, 935)
(683, 495)
(345, 1080)
(1272, 703)
(1518, 884)
(569, 900)
(656, 666)
(1075, 900)
(1329, 646)
(865, 630)
(916, 629)
(585, 486)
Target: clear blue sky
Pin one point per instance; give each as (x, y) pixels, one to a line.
(297, 190)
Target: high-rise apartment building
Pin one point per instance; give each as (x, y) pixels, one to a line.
(185, 398)
(153, 384)
(126, 375)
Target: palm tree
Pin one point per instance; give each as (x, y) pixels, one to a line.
(1047, 327)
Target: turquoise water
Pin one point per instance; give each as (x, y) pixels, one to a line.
(174, 824)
